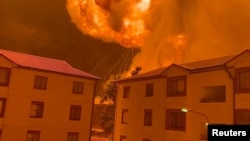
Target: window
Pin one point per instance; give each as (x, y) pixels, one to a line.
(40, 82)
(242, 116)
(33, 136)
(148, 117)
(176, 86)
(36, 109)
(4, 76)
(2, 106)
(149, 90)
(75, 112)
(126, 92)
(242, 80)
(78, 87)
(72, 136)
(214, 94)
(146, 139)
(175, 120)
(123, 138)
(125, 116)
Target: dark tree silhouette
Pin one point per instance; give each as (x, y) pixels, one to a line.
(108, 112)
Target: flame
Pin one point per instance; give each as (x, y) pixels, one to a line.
(179, 43)
(94, 20)
(160, 27)
(133, 23)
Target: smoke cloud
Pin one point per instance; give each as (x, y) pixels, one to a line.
(21, 34)
(205, 28)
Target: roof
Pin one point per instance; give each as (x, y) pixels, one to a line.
(43, 63)
(202, 64)
(191, 66)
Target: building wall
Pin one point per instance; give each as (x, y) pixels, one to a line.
(217, 112)
(57, 99)
(176, 102)
(136, 103)
(196, 82)
(242, 99)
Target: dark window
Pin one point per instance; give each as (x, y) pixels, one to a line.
(72, 136)
(126, 92)
(123, 138)
(40, 82)
(148, 117)
(146, 139)
(124, 116)
(78, 87)
(242, 116)
(176, 86)
(75, 112)
(36, 109)
(2, 106)
(175, 120)
(149, 89)
(243, 80)
(214, 94)
(4, 76)
(33, 136)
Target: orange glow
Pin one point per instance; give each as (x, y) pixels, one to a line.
(179, 43)
(143, 5)
(132, 23)
(95, 21)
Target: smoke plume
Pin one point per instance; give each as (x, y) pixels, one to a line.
(167, 31)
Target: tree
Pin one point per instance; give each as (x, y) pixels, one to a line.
(108, 112)
(107, 119)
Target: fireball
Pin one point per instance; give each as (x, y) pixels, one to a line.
(145, 24)
(120, 21)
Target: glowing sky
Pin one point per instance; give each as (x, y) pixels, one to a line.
(210, 28)
(213, 28)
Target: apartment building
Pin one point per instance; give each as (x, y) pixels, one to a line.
(44, 99)
(149, 106)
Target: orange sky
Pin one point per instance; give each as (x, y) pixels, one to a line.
(211, 28)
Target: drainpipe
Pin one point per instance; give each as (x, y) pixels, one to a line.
(230, 75)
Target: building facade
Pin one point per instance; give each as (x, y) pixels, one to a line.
(149, 106)
(43, 99)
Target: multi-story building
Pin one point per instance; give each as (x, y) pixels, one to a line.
(216, 91)
(43, 99)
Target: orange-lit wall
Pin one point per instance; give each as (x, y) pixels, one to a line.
(57, 99)
(136, 103)
(242, 99)
(217, 112)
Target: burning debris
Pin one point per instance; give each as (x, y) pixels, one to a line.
(136, 71)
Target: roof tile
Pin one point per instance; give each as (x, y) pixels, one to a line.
(192, 66)
(43, 63)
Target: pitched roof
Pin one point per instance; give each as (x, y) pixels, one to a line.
(43, 63)
(202, 64)
(191, 66)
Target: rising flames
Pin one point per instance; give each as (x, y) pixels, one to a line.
(97, 19)
(130, 23)
(166, 31)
